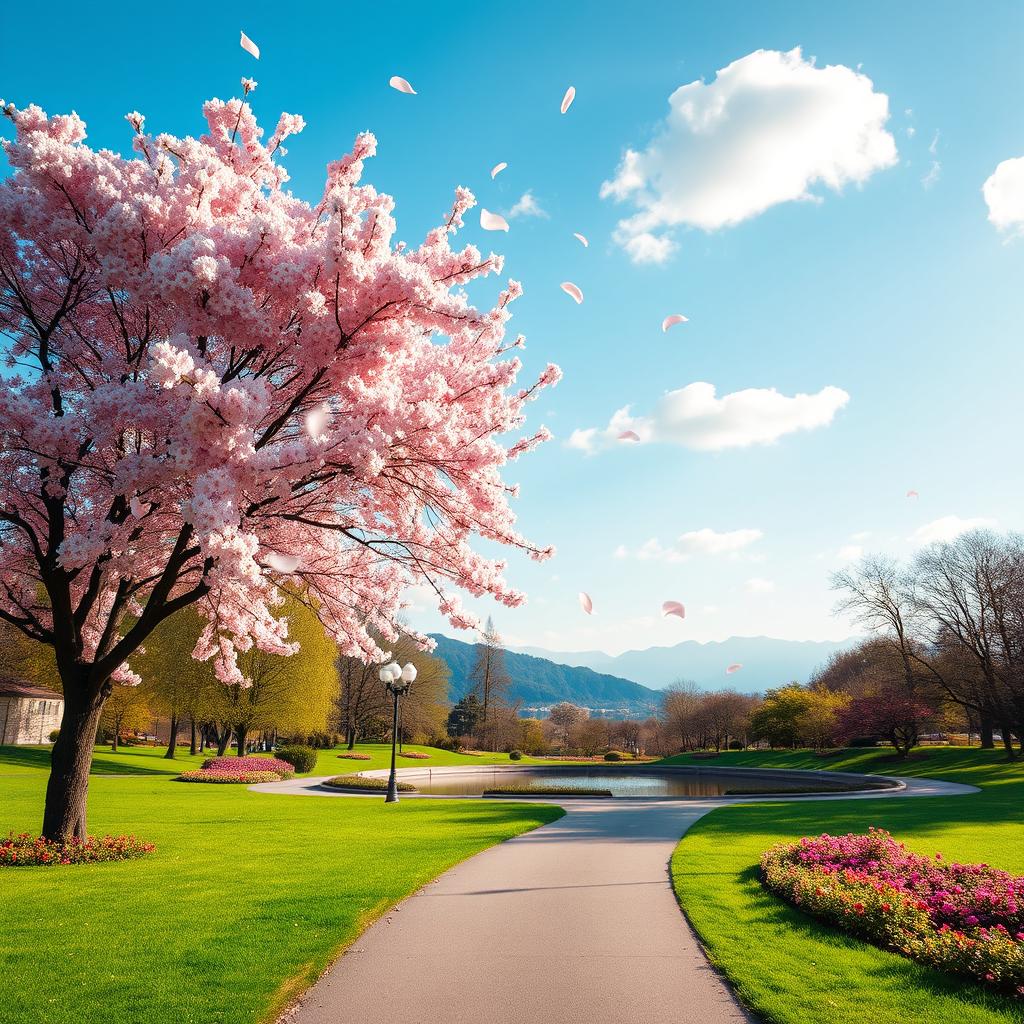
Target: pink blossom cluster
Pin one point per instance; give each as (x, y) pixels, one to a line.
(952, 894)
(216, 389)
(234, 765)
(960, 918)
(24, 850)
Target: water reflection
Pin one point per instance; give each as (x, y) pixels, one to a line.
(626, 782)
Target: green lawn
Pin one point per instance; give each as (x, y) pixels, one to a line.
(247, 898)
(791, 970)
(151, 761)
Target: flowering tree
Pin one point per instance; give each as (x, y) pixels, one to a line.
(216, 388)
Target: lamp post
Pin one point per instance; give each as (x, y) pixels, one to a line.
(399, 682)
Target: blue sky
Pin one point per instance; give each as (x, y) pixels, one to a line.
(896, 289)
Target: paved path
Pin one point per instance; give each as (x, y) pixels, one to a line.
(573, 922)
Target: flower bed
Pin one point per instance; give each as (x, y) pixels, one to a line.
(532, 790)
(361, 782)
(416, 755)
(228, 778)
(24, 850)
(354, 755)
(234, 765)
(960, 918)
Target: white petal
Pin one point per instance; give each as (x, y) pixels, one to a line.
(249, 46)
(401, 85)
(492, 221)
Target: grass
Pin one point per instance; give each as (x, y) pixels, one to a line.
(150, 760)
(790, 969)
(247, 898)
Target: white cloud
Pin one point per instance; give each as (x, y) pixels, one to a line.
(645, 247)
(757, 585)
(948, 528)
(850, 553)
(1004, 196)
(527, 206)
(695, 418)
(767, 129)
(694, 542)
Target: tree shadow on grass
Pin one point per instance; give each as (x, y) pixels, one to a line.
(39, 757)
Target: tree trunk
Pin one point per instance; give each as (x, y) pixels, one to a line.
(222, 742)
(240, 733)
(172, 743)
(985, 729)
(351, 739)
(192, 737)
(67, 790)
(1011, 754)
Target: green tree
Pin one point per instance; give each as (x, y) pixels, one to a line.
(285, 694)
(465, 716)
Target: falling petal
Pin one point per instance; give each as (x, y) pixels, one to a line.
(912, 494)
(673, 608)
(492, 221)
(401, 85)
(570, 95)
(249, 46)
(629, 435)
(139, 508)
(670, 321)
(586, 604)
(735, 667)
(282, 563)
(316, 420)
(570, 289)
(497, 169)
(582, 238)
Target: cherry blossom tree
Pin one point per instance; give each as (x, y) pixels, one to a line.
(215, 388)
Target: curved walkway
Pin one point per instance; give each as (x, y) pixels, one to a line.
(573, 922)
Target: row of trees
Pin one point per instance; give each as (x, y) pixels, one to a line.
(946, 638)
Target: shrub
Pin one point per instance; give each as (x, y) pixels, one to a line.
(234, 765)
(54, 733)
(247, 777)
(515, 755)
(416, 755)
(302, 758)
(528, 789)
(24, 850)
(361, 782)
(613, 755)
(964, 919)
(355, 755)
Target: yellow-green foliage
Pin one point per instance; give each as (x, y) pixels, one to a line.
(291, 694)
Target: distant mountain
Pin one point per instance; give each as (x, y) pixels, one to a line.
(766, 662)
(540, 682)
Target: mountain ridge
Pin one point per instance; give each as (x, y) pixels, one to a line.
(630, 683)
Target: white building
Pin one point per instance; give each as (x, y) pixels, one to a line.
(28, 713)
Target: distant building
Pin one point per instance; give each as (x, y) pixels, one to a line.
(28, 713)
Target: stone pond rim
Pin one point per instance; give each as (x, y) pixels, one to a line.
(790, 782)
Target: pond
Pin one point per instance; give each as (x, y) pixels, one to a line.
(640, 781)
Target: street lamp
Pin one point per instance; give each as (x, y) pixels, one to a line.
(399, 682)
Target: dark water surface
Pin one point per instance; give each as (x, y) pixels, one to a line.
(632, 782)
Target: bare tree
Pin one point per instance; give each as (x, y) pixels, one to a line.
(490, 681)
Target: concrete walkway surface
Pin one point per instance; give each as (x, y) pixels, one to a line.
(573, 923)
